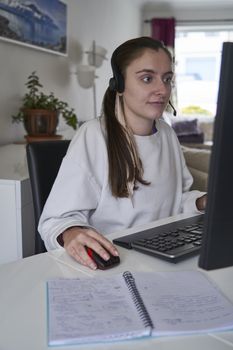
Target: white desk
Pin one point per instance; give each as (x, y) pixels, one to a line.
(23, 318)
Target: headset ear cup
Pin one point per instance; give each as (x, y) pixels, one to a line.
(116, 83)
(112, 84)
(120, 83)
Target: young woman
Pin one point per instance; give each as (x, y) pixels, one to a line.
(125, 168)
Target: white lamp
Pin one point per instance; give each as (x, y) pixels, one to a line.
(86, 73)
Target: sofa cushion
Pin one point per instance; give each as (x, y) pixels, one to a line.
(188, 131)
(197, 161)
(200, 180)
(192, 138)
(197, 158)
(186, 127)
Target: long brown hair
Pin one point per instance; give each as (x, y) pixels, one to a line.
(125, 166)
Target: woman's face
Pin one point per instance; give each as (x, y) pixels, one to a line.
(147, 89)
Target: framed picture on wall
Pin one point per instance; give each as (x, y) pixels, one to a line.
(40, 24)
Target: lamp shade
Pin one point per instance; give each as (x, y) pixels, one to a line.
(96, 55)
(86, 75)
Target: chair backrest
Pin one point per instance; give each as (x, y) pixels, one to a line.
(44, 159)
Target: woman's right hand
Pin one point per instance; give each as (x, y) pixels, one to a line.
(77, 238)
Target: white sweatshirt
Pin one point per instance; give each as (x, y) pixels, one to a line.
(81, 195)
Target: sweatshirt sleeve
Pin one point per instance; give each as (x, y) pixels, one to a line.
(76, 190)
(73, 196)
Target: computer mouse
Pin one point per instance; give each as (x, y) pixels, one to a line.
(100, 262)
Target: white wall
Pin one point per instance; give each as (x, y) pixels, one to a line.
(108, 22)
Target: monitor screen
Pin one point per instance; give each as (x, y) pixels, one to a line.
(217, 246)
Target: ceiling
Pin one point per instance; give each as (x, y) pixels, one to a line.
(176, 5)
(188, 10)
(186, 3)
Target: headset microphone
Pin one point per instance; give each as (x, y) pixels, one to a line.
(174, 110)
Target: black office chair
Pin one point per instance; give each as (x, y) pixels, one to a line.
(44, 159)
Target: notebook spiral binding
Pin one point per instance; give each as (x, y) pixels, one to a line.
(140, 306)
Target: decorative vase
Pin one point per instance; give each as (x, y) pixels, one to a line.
(40, 122)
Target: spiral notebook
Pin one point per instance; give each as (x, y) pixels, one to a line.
(134, 305)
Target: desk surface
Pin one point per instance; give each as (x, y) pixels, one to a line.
(23, 321)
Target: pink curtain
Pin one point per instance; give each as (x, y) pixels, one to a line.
(164, 29)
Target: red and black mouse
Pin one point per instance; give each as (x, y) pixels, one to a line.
(100, 262)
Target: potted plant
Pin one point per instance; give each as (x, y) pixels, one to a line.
(39, 112)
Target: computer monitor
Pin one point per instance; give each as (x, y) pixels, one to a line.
(217, 245)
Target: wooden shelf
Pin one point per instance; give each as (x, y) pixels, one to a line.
(42, 138)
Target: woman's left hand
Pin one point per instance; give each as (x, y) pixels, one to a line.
(201, 202)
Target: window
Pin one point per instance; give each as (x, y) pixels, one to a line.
(202, 68)
(198, 59)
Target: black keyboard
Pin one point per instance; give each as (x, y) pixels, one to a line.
(172, 242)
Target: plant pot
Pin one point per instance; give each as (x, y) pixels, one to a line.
(40, 122)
